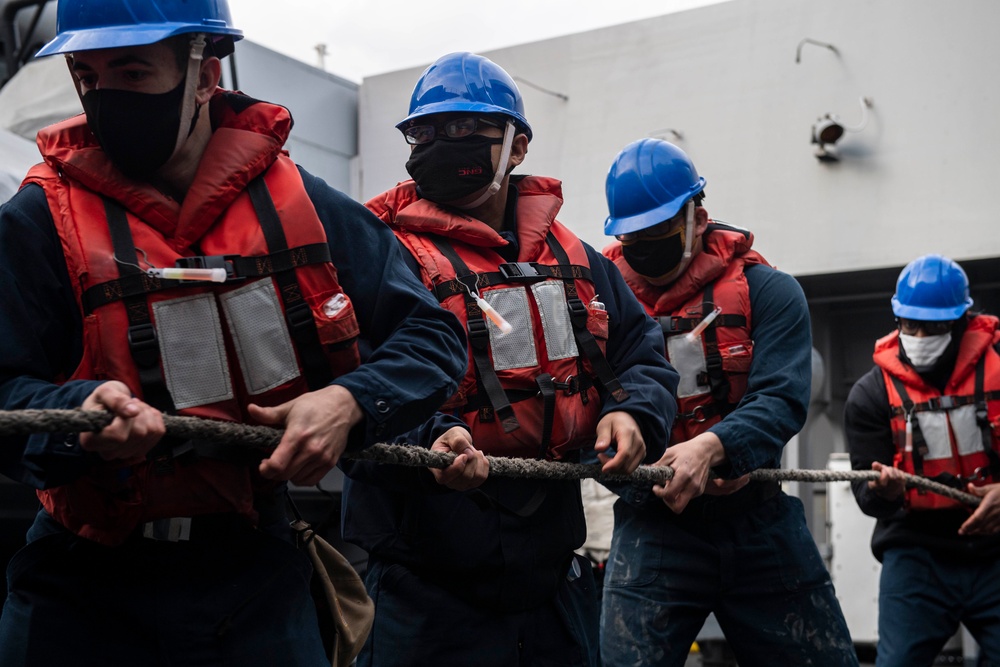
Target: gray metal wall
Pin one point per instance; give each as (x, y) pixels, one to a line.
(324, 139)
(919, 178)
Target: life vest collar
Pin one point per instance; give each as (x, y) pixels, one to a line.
(721, 244)
(538, 203)
(246, 140)
(981, 332)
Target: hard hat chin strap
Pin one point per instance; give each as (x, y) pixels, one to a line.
(689, 229)
(191, 77)
(688, 243)
(494, 187)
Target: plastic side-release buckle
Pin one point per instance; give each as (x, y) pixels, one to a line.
(143, 344)
(479, 335)
(298, 315)
(577, 312)
(520, 272)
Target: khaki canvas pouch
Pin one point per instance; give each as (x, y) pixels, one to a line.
(345, 611)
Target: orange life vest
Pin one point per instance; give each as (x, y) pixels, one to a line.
(530, 392)
(952, 436)
(714, 366)
(279, 326)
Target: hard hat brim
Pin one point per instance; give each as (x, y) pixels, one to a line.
(112, 37)
(929, 314)
(663, 212)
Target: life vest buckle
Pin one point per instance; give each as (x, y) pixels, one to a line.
(479, 335)
(571, 386)
(298, 315)
(520, 272)
(144, 345)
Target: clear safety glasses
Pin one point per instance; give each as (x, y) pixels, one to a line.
(454, 128)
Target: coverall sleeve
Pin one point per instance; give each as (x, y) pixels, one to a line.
(417, 348)
(868, 432)
(424, 435)
(774, 407)
(636, 352)
(40, 330)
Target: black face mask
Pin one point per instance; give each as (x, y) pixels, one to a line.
(138, 131)
(654, 258)
(446, 170)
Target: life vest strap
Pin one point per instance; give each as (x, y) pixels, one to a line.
(939, 403)
(547, 390)
(578, 317)
(672, 325)
(919, 443)
(142, 338)
(479, 341)
(237, 267)
(298, 314)
(513, 272)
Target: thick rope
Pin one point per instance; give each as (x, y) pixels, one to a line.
(24, 422)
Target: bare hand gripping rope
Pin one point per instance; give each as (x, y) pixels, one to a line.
(24, 422)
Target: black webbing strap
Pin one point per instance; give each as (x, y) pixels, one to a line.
(481, 400)
(479, 340)
(983, 420)
(515, 272)
(547, 390)
(671, 325)
(298, 314)
(919, 443)
(939, 403)
(263, 265)
(236, 267)
(142, 340)
(123, 287)
(578, 317)
(575, 384)
(717, 380)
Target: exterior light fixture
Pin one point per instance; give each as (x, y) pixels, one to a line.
(828, 130)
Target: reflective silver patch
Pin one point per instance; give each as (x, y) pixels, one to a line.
(934, 426)
(192, 350)
(966, 429)
(688, 358)
(516, 349)
(260, 336)
(551, 299)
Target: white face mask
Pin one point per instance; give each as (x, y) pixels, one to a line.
(924, 351)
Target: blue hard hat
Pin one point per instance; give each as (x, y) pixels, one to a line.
(466, 82)
(83, 25)
(931, 288)
(648, 183)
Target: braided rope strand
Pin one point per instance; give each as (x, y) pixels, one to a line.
(24, 422)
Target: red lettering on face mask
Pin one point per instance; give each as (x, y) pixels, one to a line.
(470, 171)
